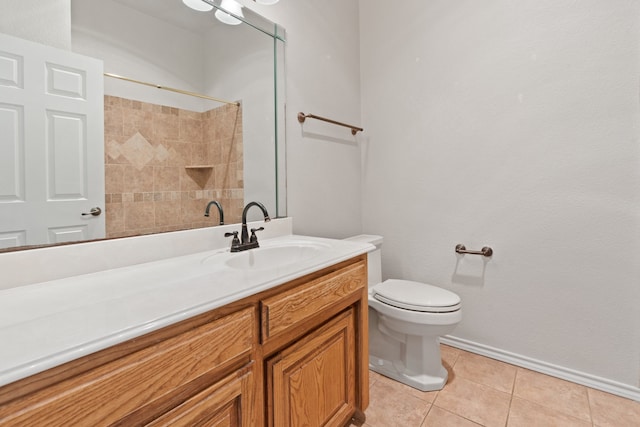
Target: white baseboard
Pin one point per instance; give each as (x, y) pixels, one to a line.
(582, 378)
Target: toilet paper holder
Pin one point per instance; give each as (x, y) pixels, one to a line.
(485, 251)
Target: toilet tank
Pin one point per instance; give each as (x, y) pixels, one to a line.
(374, 260)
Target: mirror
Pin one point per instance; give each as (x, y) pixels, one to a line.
(167, 154)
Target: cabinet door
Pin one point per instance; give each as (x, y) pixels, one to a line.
(227, 403)
(312, 383)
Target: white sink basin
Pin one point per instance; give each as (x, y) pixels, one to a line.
(271, 257)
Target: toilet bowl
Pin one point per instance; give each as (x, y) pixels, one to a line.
(406, 320)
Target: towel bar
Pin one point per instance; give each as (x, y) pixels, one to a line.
(303, 116)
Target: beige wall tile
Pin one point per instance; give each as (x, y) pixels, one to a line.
(114, 178)
(113, 120)
(234, 209)
(214, 153)
(138, 180)
(191, 129)
(114, 219)
(183, 154)
(145, 162)
(227, 150)
(166, 178)
(139, 217)
(192, 211)
(166, 126)
(199, 154)
(137, 121)
(167, 213)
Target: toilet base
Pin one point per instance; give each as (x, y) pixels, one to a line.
(397, 352)
(421, 382)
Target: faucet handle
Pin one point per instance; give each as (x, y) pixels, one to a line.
(253, 237)
(235, 242)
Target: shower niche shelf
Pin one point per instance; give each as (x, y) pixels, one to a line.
(199, 173)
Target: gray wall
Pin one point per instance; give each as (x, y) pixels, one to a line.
(513, 125)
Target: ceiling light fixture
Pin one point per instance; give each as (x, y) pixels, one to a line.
(233, 7)
(198, 5)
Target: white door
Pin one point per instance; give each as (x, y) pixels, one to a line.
(51, 144)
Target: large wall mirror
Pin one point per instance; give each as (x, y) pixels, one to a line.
(192, 110)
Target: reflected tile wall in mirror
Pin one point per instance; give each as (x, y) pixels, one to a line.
(164, 164)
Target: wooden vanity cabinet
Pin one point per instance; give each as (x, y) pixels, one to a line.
(290, 356)
(314, 378)
(133, 383)
(312, 382)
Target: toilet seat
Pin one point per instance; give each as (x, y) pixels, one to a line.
(416, 296)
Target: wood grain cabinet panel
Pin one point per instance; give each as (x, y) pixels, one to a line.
(228, 403)
(285, 310)
(110, 392)
(313, 380)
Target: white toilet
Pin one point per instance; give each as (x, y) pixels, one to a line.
(406, 320)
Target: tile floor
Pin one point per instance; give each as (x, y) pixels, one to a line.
(485, 392)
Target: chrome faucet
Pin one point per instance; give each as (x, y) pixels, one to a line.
(220, 212)
(245, 241)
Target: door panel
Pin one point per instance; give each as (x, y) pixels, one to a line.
(66, 156)
(51, 144)
(12, 153)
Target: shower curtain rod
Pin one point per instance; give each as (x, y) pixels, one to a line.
(170, 89)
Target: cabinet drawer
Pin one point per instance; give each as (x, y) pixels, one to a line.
(109, 392)
(286, 309)
(225, 403)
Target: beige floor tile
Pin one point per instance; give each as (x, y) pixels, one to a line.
(528, 414)
(438, 417)
(389, 407)
(477, 394)
(449, 354)
(400, 388)
(608, 410)
(554, 393)
(477, 402)
(373, 377)
(483, 370)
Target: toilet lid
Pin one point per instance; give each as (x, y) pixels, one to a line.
(416, 296)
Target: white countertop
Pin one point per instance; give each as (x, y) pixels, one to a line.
(46, 324)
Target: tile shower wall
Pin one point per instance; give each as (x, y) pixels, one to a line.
(163, 165)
